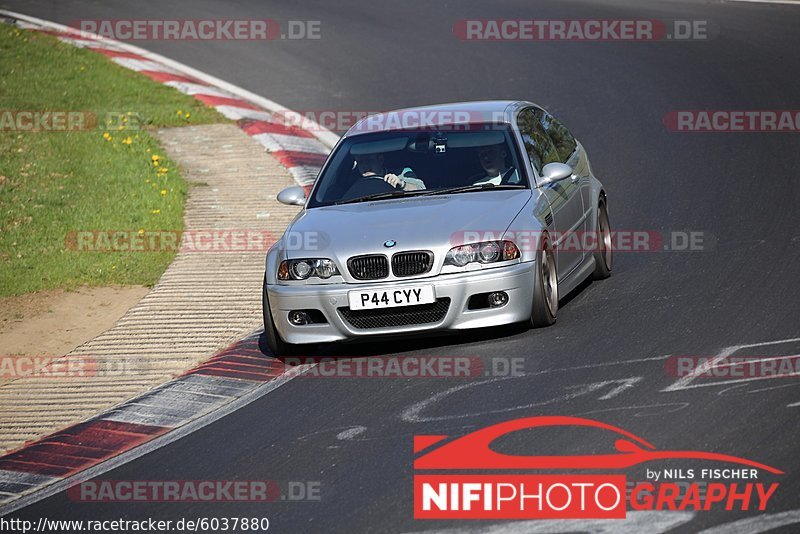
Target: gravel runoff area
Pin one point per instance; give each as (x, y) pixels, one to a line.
(204, 301)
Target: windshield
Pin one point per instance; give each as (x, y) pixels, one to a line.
(385, 165)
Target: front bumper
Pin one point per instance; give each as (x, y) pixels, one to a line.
(516, 280)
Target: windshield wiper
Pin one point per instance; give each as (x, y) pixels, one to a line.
(425, 193)
(378, 196)
(473, 187)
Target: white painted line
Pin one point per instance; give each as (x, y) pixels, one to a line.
(760, 360)
(350, 433)
(80, 43)
(412, 414)
(325, 136)
(197, 89)
(140, 64)
(236, 113)
(646, 410)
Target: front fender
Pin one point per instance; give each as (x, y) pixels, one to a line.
(527, 227)
(275, 255)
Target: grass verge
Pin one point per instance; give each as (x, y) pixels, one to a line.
(112, 176)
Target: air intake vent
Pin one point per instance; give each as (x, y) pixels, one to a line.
(411, 263)
(395, 317)
(372, 267)
(548, 219)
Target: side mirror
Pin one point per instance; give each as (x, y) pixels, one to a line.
(292, 196)
(554, 172)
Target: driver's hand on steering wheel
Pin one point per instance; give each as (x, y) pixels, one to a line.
(396, 181)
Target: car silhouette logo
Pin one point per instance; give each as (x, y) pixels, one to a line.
(390, 243)
(473, 450)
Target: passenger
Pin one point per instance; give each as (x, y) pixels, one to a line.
(493, 161)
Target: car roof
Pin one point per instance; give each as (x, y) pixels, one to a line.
(439, 115)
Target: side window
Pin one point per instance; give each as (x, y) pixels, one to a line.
(563, 140)
(538, 145)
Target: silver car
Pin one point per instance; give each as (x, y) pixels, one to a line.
(443, 217)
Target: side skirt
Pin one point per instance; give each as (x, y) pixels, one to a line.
(577, 276)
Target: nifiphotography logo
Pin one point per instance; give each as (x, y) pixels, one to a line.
(503, 488)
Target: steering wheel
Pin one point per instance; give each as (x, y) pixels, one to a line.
(368, 185)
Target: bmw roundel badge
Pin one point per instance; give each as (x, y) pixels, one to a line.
(390, 243)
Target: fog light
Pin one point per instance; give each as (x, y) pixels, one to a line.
(299, 318)
(497, 299)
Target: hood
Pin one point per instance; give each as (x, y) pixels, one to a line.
(433, 223)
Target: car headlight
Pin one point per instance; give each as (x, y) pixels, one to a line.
(306, 268)
(484, 252)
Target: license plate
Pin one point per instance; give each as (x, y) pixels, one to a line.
(371, 299)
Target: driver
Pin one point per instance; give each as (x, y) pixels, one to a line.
(493, 161)
(372, 165)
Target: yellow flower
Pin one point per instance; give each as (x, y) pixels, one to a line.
(154, 157)
(180, 112)
(127, 141)
(106, 135)
(141, 231)
(187, 115)
(163, 192)
(155, 212)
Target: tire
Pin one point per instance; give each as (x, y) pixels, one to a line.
(271, 340)
(545, 287)
(603, 257)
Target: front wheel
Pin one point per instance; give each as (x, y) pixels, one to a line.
(604, 254)
(545, 287)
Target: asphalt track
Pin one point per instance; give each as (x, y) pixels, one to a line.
(742, 189)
